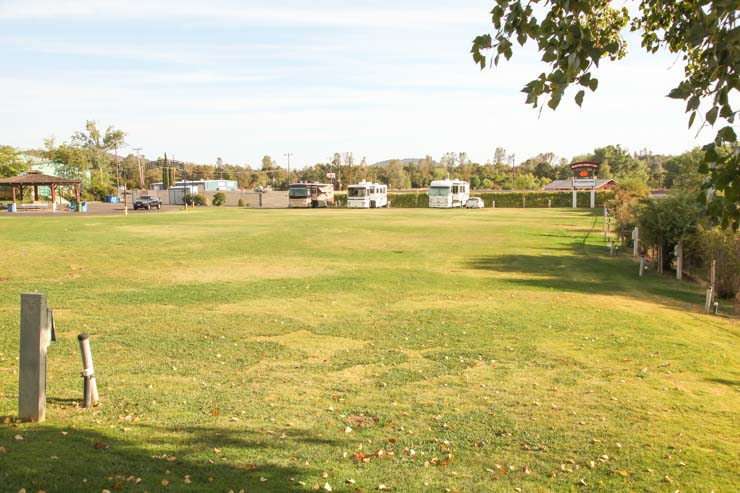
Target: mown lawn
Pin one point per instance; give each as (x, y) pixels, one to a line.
(422, 350)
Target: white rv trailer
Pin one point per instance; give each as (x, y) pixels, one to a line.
(445, 194)
(367, 195)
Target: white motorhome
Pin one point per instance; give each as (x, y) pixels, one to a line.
(445, 194)
(367, 195)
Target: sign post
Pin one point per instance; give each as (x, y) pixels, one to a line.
(584, 178)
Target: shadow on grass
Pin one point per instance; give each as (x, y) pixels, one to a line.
(725, 381)
(582, 269)
(163, 459)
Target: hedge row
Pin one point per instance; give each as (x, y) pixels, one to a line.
(505, 199)
(543, 199)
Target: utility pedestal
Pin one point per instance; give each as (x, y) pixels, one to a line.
(35, 339)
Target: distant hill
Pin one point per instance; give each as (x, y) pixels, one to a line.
(407, 160)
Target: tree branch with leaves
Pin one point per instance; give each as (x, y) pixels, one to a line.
(574, 36)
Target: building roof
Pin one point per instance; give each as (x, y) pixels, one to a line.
(568, 185)
(37, 178)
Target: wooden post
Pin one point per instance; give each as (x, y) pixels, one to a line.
(493, 204)
(575, 198)
(524, 201)
(636, 241)
(549, 203)
(593, 197)
(642, 265)
(88, 372)
(35, 339)
(679, 262)
(660, 256)
(611, 248)
(12, 192)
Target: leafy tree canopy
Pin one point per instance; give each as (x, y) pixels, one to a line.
(11, 163)
(574, 36)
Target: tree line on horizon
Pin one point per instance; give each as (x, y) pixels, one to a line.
(92, 156)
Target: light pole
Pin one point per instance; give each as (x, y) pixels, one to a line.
(288, 154)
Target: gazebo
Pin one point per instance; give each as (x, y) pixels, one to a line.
(37, 179)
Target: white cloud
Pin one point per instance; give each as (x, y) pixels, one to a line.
(344, 14)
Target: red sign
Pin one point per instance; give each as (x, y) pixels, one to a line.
(584, 165)
(583, 173)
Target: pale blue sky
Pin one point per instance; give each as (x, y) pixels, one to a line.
(241, 79)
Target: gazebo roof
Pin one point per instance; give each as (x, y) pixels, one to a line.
(37, 178)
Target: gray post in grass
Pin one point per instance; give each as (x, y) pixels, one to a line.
(35, 339)
(606, 213)
(635, 241)
(593, 197)
(88, 372)
(679, 262)
(642, 265)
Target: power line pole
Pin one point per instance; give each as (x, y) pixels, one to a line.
(141, 169)
(513, 161)
(288, 154)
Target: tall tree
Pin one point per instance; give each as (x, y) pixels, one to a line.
(11, 164)
(98, 145)
(574, 36)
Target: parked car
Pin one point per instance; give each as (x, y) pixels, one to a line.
(474, 203)
(148, 202)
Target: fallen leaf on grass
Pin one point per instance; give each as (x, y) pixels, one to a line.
(327, 487)
(622, 473)
(215, 412)
(383, 487)
(2, 450)
(164, 482)
(100, 445)
(18, 438)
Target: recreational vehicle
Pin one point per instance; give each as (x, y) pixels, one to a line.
(367, 195)
(448, 193)
(302, 195)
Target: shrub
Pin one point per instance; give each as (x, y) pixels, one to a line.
(241, 202)
(623, 207)
(722, 246)
(98, 191)
(340, 199)
(664, 222)
(219, 199)
(194, 199)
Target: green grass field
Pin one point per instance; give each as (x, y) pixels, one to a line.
(423, 350)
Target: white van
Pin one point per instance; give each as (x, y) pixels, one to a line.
(445, 194)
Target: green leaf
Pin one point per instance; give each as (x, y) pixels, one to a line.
(693, 103)
(727, 134)
(683, 91)
(692, 118)
(579, 97)
(712, 115)
(593, 84)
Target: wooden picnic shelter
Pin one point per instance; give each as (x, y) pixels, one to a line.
(38, 179)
